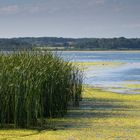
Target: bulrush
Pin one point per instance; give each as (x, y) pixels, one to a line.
(35, 86)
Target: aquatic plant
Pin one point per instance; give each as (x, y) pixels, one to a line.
(35, 86)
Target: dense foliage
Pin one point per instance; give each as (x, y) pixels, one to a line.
(71, 44)
(35, 86)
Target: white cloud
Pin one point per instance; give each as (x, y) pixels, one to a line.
(133, 25)
(34, 9)
(24, 9)
(100, 1)
(10, 9)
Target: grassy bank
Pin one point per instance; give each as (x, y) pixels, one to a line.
(102, 115)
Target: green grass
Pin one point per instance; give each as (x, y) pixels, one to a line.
(102, 115)
(49, 48)
(132, 85)
(97, 65)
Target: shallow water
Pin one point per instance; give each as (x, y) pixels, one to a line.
(107, 77)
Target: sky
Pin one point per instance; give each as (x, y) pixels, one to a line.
(70, 18)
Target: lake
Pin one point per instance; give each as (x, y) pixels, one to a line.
(117, 72)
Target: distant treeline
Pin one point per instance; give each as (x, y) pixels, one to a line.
(71, 43)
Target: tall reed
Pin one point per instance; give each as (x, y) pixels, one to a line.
(35, 86)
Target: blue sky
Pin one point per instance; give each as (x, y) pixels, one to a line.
(70, 18)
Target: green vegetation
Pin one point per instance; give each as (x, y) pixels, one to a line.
(135, 86)
(101, 115)
(54, 43)
(97, 65)
(49, 48)
(35, 86)
(37, 89)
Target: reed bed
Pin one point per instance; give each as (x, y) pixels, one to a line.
(36, 86)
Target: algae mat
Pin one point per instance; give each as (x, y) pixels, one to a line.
(101, 116)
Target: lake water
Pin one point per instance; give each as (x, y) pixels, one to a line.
(112, 78)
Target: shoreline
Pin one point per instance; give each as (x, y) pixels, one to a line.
(110, 51)
(101, 114)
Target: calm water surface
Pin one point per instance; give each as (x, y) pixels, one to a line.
(110, 78)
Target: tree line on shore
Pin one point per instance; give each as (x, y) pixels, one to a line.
(71, 43)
